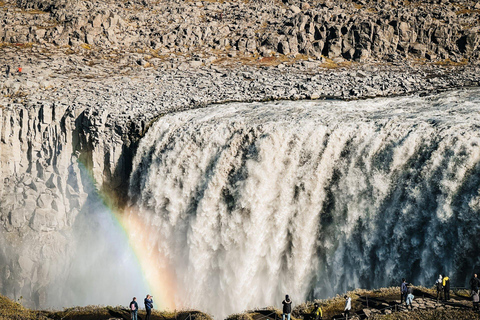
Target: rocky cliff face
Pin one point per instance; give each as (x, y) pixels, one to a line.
(45, 160)
(352, 30)
(41, 193)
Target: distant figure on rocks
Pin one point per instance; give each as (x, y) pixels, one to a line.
(7, 71)
(148, 306)
(348, 306)
(287, 307)
(134, 308)
(439, 286)
(446, 288)
(403, 291)
(475, 300)
(474, 283)
(317, 312)
(410, 297)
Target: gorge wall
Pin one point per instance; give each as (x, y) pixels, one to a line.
(53, 159)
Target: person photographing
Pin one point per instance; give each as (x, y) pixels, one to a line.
(148, 306)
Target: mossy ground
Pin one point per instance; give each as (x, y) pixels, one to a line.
(385, 298)
(332, 309)
(10, 310)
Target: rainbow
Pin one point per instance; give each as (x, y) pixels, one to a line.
(157, 274)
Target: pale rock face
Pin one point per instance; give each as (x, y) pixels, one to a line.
(42, 148)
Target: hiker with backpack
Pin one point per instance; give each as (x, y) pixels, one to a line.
(439, 286)
(446, 288)
(134, 308)
(148, 306)
(287, 307)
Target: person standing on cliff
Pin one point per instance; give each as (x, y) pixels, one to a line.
(287, 307)
(134, 308)
(446, 288)
(439, 286)
(348, 306)
(317, 313)
(474, 283)
(475, 300)
(410, 297)
(148, 306)
(403, 291)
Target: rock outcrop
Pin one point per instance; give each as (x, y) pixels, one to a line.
(358, 30)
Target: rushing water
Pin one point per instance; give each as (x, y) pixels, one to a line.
(251, 201)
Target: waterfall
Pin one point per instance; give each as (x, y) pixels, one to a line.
(252, 201)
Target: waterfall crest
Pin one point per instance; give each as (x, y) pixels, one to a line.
(252, 201)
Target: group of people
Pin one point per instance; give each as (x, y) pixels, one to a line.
(443, 287)
(406, 291)
(133, 306)
(316, 313)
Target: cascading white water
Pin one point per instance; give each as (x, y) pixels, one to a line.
(252, 201)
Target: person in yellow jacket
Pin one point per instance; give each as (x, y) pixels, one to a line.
(446, 288)
(317, 312)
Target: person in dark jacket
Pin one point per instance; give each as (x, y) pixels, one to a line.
(439, 286)
(148, 306)
(474, 283)
(317, 312)
(134, 308)
(403, 291)
(287, 307)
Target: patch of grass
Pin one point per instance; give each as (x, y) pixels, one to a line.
(450, 63)
(330, 64)
(12, 310)
(34, 11)
(25, 45)
(467, 11)
(263, 314)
